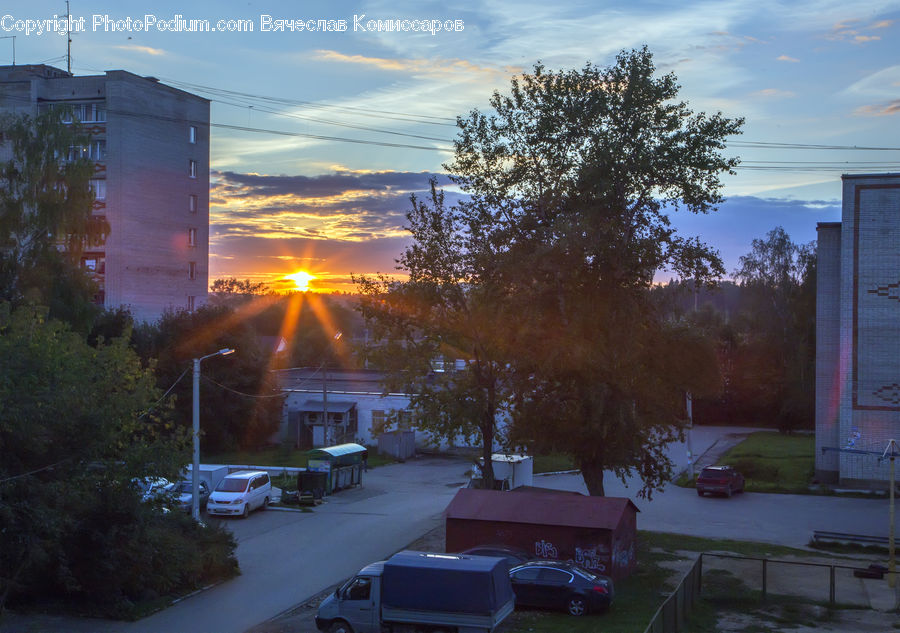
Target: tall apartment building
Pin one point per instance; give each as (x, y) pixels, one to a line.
(858, 333)
(150, 148)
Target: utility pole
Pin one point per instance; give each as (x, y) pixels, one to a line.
(68, 38)
(327, 427)
(892, 568)
(690, 450)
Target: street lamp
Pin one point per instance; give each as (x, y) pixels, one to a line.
(195, 470)
(327, 427)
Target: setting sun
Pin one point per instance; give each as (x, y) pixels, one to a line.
(301, 280)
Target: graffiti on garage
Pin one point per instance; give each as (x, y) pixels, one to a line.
(622, 556)
(543, 549)
(592, 558)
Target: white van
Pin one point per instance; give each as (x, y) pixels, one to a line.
(240, 493)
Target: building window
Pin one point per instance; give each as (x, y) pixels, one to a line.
(98, 186)
(190, 303)
(192, 168)
(192, 237)
(96, 150)
(192, 270)
(192, 134)
(192, 203)
(84, 112)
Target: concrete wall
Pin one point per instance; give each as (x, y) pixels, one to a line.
(828, 345)
(870, 324)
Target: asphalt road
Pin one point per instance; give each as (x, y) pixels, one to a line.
(287, 557)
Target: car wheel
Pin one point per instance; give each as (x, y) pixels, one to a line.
(246, 511)
(699, 492)
(265, 504)
(340, 627)
(576, 606)
(728, 492)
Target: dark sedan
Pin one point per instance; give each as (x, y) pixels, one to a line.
(512, 555)
(723, 480)
(559, 585)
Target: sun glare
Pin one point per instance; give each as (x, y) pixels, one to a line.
(301, 280)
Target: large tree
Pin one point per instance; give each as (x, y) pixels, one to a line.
(446, 310)
(570, 183)
(778, 279)
(240, 405)
(77, 424)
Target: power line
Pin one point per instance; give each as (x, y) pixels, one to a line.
(241, 393)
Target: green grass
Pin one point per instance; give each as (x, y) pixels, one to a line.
(771, 462)
(639, 596)
(637, 599)
(552, 463)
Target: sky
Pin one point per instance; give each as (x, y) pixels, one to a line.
(319, 137)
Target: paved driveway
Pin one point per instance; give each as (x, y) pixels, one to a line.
(286, 557)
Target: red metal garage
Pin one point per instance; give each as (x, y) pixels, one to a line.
(597, 533)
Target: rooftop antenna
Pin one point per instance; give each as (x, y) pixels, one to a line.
(13, 38)
(68, 39)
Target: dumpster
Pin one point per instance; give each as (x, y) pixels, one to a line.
(341, 466)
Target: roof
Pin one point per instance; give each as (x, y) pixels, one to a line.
(315, 406)
(539, 508)
(340, 449)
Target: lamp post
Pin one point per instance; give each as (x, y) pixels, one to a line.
(327, 427)
(195, 469)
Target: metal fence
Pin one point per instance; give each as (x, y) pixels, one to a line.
(733, 577)
(674, 612)
(746, 577)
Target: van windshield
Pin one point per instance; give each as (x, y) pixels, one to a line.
(232, 485)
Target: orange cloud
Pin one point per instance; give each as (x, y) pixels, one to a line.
(785, 58)
(881, 109)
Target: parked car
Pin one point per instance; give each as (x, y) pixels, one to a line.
(184, 494)
(721, 480)
(238, 494)
(512, 555)
(560, 585)
(153, 487)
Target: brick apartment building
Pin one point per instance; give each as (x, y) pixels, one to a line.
(858, 333)
(150, 147)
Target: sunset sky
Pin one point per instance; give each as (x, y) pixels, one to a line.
(319, 138)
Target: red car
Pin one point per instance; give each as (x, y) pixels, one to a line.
(720, 479)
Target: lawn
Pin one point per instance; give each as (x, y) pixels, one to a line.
(639, 596)
(772, 462)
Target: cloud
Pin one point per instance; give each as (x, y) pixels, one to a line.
(773, 92)
(880, 109)
(141, 49)
(880, 84)
(433, 67)
(785, 58)
(345, 206)
(847, 31)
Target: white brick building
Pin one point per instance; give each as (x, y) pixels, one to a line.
(858, 333)
(150, 146)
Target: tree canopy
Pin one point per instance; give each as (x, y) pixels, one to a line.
(569, 182)
(77, 424)
(46, 203)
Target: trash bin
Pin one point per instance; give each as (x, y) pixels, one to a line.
(341, 465)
